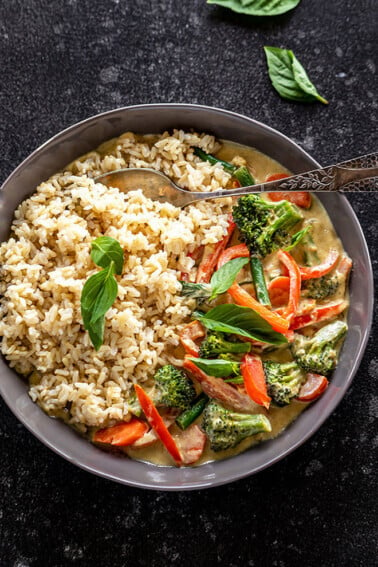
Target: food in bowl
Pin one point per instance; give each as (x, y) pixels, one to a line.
(238, 320)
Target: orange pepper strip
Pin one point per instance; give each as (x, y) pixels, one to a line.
(155, 420)
(122, 434)
(238, 251)
(254, 380)
(243, 298)
(279, 291)
(207, 266)
(321, 269)
(191, 332)
(295, 282)
(320, 314)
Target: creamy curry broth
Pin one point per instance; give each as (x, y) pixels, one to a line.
(325, 237)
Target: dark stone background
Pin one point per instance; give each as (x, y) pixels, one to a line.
(64, 60)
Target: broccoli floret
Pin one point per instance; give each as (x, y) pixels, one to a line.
(264, 226)
(215, 344)
(319, 353)
(320, 288)
(226, 428)
(172, 388)
(284, 380)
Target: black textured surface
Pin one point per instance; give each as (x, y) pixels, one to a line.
(64, 60)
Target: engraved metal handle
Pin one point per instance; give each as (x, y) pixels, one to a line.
(356, 175)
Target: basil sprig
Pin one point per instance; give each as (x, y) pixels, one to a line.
(237, 320)
(297, 238)
(220, 281)
(100, 290)
(257, 7)
(217, 367)
(289, 77)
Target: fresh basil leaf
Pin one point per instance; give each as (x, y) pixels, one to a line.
(257, 7)
(105, 250)
(96, 332)
(297, 238)
(97, 296)
(237, 320)
(223, 278)
(289, 77)
(195, 290)
(218, 367)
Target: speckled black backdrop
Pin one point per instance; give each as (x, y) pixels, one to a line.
(64, 60)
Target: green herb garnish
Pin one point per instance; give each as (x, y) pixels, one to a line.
(257, 7)
(100, 290)
(237, 320)
(289, 77)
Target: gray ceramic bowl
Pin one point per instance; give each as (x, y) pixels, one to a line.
(87, 135)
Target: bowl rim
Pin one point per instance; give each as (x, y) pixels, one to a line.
(333, 403)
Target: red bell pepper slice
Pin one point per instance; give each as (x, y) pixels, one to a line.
(122, 434)
(321, 269)
(243, 298)
(300, 198)
(294, 282)
(312, 388)
(155, 420)
(190, 333)
(238, 251)
(254, 380)
(209, 262)
(319, 314)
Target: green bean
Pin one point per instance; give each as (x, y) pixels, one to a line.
(188, 416)
(213, 160)
(243, 175)
(259, 281)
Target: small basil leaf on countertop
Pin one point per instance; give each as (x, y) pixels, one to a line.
(288, 76)
(258, 7)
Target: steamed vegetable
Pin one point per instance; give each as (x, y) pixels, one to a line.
(172, 388)
(284, 380)
(226, 428)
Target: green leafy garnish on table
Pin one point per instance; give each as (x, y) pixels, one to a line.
(100, 290)
(288, 76)
(258, 7)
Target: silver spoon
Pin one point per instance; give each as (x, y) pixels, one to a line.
(348, 176)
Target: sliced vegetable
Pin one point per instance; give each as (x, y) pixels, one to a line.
(229, 167)
(190, 333)
(219, 390)
(238, 251)
(321, 269)
(313, 388)
(279, 291)
(243, 298)
(295, 282)
(288, 76)
(323, 313)
(188, 416)
(151, 437)
(208, 263)
(243, 321)
(243, 175)
(155, 420)
(122, 434)
(254, 380)
(259, 282)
